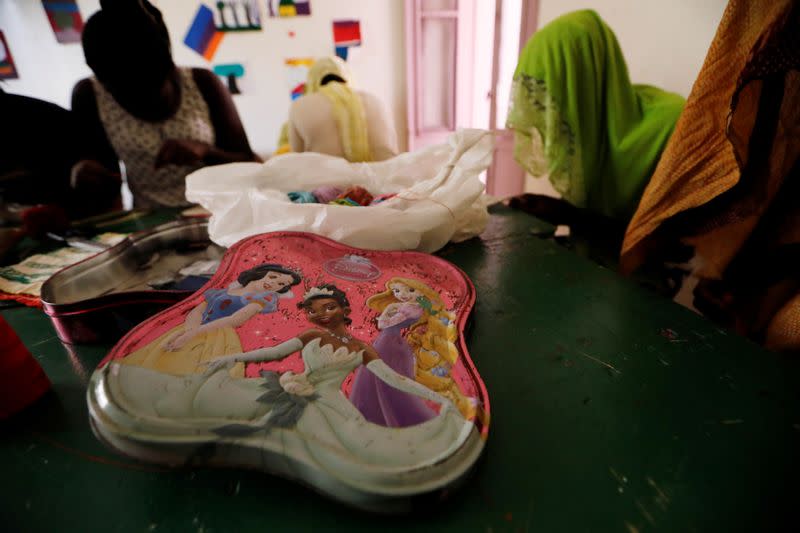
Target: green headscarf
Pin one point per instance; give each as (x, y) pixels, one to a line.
(577, 117)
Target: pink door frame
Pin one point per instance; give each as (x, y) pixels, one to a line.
(505, 176)
(418, 135)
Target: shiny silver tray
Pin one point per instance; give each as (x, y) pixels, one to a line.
(101, 298)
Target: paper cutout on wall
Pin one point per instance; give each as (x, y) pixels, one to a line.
(341, 51)
(238, 15)
(8, 71)
(231, 72)
(65, 19)
(203, 36)
(296, 74)
(346, 33)
(288, 8)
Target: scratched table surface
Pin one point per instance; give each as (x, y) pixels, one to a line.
(612, 410)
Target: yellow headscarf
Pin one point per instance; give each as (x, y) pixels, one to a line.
(348, 111)
(283, 140)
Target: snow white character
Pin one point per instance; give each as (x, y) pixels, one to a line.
(209, 330)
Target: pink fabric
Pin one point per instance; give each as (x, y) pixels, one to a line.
(326, 193)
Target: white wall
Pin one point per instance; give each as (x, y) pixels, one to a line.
(46, 69)
(49, 70)
(482, 63)
(664, 42)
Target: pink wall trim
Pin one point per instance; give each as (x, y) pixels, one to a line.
(505, 177)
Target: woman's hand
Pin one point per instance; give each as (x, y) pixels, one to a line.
(391, 310)
(388, 316)
(182, 152)
(221, 363)
(179, 340)
(89, 175)
(392, 315)
(446, 405)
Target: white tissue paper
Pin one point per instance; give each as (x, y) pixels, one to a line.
(439, 196)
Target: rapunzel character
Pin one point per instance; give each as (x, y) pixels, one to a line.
(209, 330)
(294, 422)
(428, 347)
(377, 401)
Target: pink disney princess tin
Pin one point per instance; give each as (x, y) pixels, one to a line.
(340, 368)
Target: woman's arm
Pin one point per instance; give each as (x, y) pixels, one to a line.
(195, 317)
(231, 140)
(392, 316)
(271, 353)
(190, 329)
(384, 372)
(93, 141)
(268, 354)
(295, 138)
(382, 133)
(194, 328)
(235, 320)
(96, 175)
(274, 352)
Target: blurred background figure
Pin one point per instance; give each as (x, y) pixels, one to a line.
(332, 118)
(38, 145)
(161, 122)
(723, 201)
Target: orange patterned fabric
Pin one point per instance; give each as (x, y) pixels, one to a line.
(709, 147)
(726, 187)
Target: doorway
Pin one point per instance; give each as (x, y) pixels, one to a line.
(460, 61)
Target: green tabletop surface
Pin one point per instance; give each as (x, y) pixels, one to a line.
(612, 410)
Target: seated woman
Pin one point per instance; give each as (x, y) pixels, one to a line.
(39, 150)
(160, 121)
(332, 118)
(577, 117)
(722, 204)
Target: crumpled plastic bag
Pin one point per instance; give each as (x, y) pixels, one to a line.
(439, 196)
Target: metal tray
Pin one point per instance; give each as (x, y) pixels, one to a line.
(98, 300)
(357, 379)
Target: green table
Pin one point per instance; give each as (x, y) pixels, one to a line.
(612, 410)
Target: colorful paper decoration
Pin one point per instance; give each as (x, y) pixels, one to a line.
(230, 72)
(238, 15)
(65, 19)
(297, 72)
(8, 71)
(288, 8)
(346, 33)
(203, 36)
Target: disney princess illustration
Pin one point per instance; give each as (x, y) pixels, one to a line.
(209, 330)
(304, 418)
(426, 354)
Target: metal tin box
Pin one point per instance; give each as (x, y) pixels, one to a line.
(340, 368)
(101, 298)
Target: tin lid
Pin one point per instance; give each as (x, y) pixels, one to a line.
(343, 368)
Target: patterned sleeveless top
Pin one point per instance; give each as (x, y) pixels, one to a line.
(137, 142)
